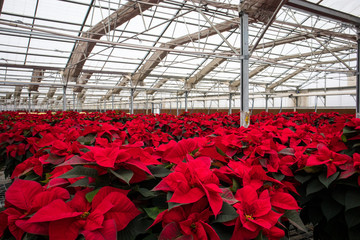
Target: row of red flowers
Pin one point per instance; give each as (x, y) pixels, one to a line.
(194, 176)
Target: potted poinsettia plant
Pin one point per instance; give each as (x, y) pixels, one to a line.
(113, 175)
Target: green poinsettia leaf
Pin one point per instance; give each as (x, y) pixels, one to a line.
(328, 180)
(338, 194)
(90, 195)
(136, 227)
(84, 182)
(146, 192)
(330, 208)
(302, 178)
(287, 151)
(224, 232)
(294, 218)
(348, 130)
(87, 140)
(278, 176)
(80, 171)
(221, 152)
(352, 199)
(227, 213)
(153, 212)
(159, 171)
(172, 204)
(352, 217)
(123, 174)
(314, 186)
(356, 145)
(235, 185)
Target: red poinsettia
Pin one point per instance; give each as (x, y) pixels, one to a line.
(329, 158)
(255, 214)
(187, 222)
(351, 168)
(32, 163)
(24, 198)
(191, 181)
(109, 211)
(176, 152)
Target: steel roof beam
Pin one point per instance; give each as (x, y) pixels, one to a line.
(318, 10)
(192, 81)
(83, 49)
(37, 76)
(281, 81)
(302, 6)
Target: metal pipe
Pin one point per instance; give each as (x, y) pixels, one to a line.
(132, 101)
(244, 62)
(267, 103)
(281, 103)
(177, 105)
(358, 78)
(147, 104)
(112, 102)
(252, 106)
(186, 101)
(73, 101)
(230, 101)
(64, 98)
(29, 101)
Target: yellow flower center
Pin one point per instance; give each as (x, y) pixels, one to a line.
(84, 215)
(249, 217)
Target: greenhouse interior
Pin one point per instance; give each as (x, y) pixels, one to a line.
(179, 119)
(174, 56)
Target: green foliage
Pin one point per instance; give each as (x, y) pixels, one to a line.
(228, 213)
(80, 171)
(123, 174)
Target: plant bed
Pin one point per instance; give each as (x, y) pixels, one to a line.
(194, 176)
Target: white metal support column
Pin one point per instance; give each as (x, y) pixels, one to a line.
(112, 102)
(266, 103)
(132, 101)
(177, 104)
(74, 102)
(358, 77)
(186, 101)
(230, 101)
(64, 98)
(316, 103)
(244, 61)
(29, 101)
(281, 103)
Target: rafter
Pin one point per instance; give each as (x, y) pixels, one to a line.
(159, 55)
(261, 68)
(117, 18)
(251, 6)
(37, 76)
(192, 81)
(17, 92)
(159, 84)
(288, 77)
(83, 80)
(51, 92)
